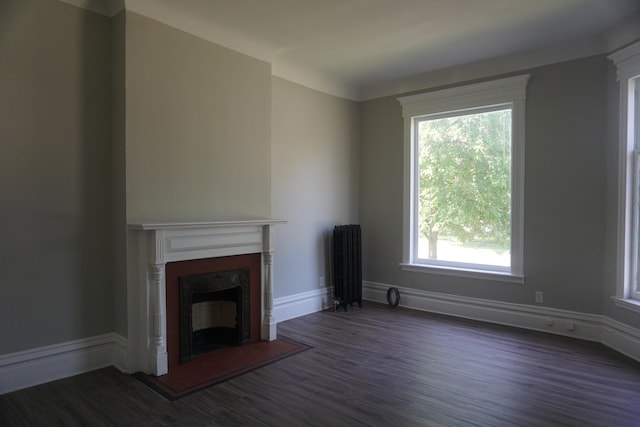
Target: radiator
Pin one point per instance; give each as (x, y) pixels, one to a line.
(347, 265)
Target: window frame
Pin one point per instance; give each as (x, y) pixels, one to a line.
(510, 92)
(627, 62)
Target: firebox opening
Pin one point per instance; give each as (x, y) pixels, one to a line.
(214, 312)
(214, 320)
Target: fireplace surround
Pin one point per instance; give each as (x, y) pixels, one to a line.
(210, 274)
(153, 245)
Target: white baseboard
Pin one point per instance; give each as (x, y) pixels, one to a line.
(41, 365)
(591, 327)
(120, 353)
(37, 366)
(293, 306)
(621, 337)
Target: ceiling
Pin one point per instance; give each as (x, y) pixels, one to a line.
(343, 46)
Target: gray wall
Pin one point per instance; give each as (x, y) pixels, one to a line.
(315, 162)
(119, 174)
(565, 182)
(55, 174)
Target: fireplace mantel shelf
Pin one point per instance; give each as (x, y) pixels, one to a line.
(204, 224)
(153, 244)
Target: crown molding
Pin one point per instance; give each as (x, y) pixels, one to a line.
(627, 61)
(604, 43)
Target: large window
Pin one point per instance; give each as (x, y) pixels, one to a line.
(464, 180)
(628, 288)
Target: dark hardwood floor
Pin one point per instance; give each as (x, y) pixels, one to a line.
(371, 366)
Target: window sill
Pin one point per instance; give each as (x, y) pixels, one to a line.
(468, 273)
(627, 304)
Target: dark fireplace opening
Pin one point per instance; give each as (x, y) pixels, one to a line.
(214, 312)
(214, 320)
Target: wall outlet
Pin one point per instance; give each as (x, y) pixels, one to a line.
(322, 282)
(539, 297)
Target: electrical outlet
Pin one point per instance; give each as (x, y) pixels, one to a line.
(539, 297)
(322, 282)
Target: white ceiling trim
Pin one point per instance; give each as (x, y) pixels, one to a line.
(490, 67)
(295, 73)
(312, 77)
(199, 27)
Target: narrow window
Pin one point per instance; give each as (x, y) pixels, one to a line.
(633, 129)
(627, 61)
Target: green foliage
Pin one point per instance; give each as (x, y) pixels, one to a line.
(465, 177)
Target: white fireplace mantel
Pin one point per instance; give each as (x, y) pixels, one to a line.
(152, 245)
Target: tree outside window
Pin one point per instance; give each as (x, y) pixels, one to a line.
(464, 192)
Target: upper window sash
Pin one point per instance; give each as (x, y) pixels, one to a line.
(464, 112)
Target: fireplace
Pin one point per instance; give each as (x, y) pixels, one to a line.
(201, 294)
(214, 312)
(199, 253)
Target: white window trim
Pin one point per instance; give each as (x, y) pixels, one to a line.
(627, 62)
(511, 91)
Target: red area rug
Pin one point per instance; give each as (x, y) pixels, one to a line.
(221, 365)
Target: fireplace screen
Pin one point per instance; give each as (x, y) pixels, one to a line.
(214, 311)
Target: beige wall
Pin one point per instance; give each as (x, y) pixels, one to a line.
(315, 185)
(55, 174)
(197, 128)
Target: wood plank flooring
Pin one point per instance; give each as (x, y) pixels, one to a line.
(371, 366)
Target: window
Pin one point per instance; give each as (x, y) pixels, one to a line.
(627, 62)
(464, 169)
